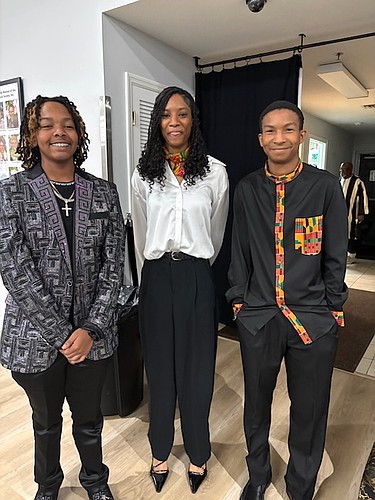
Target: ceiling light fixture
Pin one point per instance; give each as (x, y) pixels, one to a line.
(341, 79)
(256, 5)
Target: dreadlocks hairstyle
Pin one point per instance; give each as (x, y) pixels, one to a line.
(28, 152)
(151, 165)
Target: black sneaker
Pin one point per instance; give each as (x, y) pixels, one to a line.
(40, 495)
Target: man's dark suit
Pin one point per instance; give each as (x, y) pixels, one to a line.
(51, 294)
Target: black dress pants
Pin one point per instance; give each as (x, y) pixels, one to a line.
(81, 384)
(179, 339)
(309, 372)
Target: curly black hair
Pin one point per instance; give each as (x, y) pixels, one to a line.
(29, 154)
(151, 165)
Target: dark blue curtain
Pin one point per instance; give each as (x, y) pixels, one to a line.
(230, 102)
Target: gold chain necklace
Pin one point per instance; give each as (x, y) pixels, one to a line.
(61, 197)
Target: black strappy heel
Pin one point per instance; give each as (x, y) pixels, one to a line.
(158, 477)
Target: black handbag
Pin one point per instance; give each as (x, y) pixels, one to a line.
(129, 293)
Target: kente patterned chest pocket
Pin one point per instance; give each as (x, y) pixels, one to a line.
(308, 234)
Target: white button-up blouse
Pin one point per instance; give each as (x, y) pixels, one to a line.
(177, 217)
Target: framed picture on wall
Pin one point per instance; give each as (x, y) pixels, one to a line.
(11, 109)
(317, 152)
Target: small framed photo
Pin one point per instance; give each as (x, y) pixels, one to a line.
(11, 109)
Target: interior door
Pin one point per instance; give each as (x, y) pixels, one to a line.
(140, 94)
(143, 103)
(367, 174)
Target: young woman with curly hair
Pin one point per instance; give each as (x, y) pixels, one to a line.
(180, 204)
(61, 252)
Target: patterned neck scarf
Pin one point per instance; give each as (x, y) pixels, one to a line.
(177, 161)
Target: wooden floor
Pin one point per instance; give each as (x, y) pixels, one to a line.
(351, 433)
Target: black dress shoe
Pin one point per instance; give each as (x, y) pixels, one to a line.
(252, 492)
(158, 477)
(103, 494)
(41, 495)
(197, 478)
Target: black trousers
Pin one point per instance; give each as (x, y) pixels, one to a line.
(82, 385)
(179, 339)
(309, 372)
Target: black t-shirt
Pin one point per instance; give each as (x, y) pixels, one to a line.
(67, 210)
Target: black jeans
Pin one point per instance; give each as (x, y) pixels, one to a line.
(81, 385)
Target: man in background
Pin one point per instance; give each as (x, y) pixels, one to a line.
(357, 204)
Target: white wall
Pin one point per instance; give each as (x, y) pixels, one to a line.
(57, 49)
(114, 4)
(340, 142)
(365, 143)
(128, 49)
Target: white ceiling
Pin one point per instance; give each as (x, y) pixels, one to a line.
(220, 29)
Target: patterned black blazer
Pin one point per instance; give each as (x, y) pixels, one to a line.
(46, 285)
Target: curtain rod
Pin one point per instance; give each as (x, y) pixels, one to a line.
(297, 48)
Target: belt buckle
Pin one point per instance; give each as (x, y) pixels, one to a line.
(173, 255)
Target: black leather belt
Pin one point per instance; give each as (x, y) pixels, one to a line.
(178, 256)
